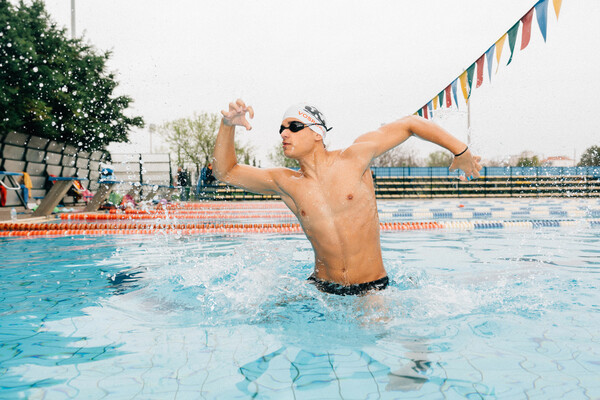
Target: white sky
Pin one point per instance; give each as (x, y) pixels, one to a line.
(362, 62)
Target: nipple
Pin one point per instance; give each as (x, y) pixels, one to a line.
(350, 196)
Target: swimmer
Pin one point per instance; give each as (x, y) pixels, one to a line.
(332, 194)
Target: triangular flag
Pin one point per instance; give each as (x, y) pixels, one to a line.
(435, 103)
(490, 59)
(479, 63)
(441, 97)
(454, 85)
(448, 96)
(429, 107)
(419, 112)
(557, 4)
(463, 85)
(526, 32)
(470, 73)
(512, 39)
(499, 46)
(541, 13)
(425, 112)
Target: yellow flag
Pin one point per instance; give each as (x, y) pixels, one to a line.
(557, 4)
(435, 102)
(499, 47)
(463, 85)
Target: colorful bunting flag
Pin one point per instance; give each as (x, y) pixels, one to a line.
(499, 46)
(466, 78)
(490, 57)
(526, 31)
(454, 85)
(479, 63)
(541, 13)
(512, 39)
(420, 112)
(463, 85)
(470, 73)
(557, 4)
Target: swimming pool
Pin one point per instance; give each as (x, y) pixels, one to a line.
(477, 313)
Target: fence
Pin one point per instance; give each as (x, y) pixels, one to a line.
(41, 157)
(432, 182)
(153, 169)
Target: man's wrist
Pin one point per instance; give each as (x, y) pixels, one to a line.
(226, 122)
(462, 152)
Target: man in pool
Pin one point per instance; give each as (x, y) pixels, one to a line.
(332, 194)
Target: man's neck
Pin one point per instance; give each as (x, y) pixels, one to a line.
(313, 163)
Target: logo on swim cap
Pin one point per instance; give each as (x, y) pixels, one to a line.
(316, 113)
(309, 115)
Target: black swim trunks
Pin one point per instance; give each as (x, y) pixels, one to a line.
(351, 290)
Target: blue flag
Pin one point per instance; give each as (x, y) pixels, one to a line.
(541, 13)
(489, 55)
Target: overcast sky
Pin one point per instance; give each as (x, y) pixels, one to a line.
(363, 63)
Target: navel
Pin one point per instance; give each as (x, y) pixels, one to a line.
(302, 213)
(350, 196)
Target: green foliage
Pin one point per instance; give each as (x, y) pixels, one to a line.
(280, 160)
(529, 162)
(590, 157)
(193, 139)
(55, 87)
(439, 159)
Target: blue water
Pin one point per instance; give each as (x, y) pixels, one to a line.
(477, 314)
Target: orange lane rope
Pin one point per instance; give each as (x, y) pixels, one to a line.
(33, 229)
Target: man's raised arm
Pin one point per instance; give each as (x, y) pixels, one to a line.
(391, 135)
(225, 165)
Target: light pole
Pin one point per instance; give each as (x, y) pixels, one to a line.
(72, 19)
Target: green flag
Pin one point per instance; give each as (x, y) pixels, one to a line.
(470, 73)
(441, 97)
(512, 39)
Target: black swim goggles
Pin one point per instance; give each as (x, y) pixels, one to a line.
(297, 126)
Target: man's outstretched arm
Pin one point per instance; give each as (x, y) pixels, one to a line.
(374, 144)
(225, 165)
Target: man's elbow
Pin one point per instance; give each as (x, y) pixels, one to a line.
(221, 173)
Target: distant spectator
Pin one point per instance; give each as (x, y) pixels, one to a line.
(183, 182)
(210, 179)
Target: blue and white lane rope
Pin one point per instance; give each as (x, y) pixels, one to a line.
(526, 224)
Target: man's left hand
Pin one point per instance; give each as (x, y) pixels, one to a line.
(467, 163)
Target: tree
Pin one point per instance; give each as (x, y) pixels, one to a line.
(590, 157)
(193, 139)
(439, 159)
(279, 159)
(398, 157)
(528, 162)
(55, 87)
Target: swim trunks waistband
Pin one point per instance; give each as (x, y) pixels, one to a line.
(351, 290)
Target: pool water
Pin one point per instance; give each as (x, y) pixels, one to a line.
(469, 314)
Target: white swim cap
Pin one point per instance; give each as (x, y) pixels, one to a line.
(309, 115)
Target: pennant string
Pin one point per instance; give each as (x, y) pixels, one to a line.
(466, 78)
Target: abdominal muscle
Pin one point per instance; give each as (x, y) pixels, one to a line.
(344, 232)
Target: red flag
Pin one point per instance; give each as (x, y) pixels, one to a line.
(526, 32)
(479, 62)
(425, 112)
(448, 96)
